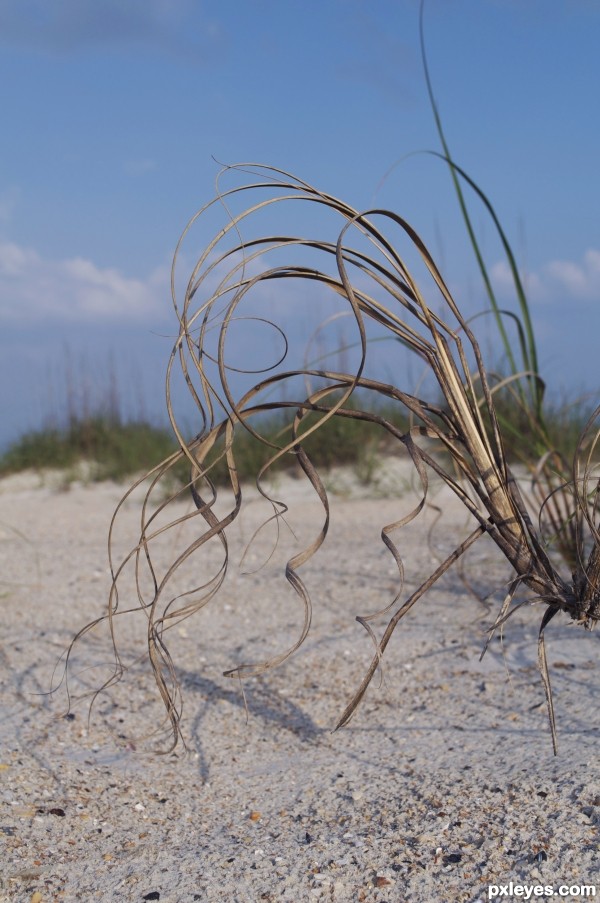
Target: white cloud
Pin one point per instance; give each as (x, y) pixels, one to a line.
(556, 281)
(579, 280)
(503, 282)
(75, 289)
(14, 260)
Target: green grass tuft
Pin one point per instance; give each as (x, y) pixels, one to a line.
(115, 450)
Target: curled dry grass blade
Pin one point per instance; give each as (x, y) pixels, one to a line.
(459, 440)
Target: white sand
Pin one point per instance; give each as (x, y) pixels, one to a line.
(443, 783)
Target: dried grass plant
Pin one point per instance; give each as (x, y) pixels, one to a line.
(554, 549)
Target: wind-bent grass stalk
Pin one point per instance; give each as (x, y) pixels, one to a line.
(460, 440)
(550, 471)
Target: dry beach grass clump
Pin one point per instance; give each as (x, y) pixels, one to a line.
(245, 280)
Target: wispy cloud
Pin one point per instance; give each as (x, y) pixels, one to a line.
(33, 288)
(63, 26)
(557, 280)
(580, 280)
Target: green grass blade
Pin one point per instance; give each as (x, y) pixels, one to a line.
(529, 350)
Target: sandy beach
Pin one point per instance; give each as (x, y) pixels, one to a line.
(442, 787)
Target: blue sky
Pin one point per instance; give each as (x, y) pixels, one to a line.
(114, 109)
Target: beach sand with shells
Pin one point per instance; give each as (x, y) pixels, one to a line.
(443, 787)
